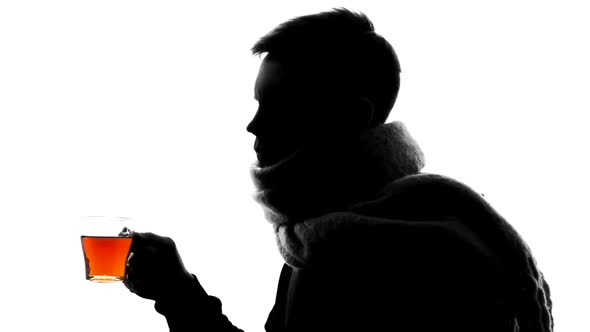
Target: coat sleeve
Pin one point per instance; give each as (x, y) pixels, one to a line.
(194, 310)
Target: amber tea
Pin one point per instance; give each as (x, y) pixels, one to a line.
(105, 257)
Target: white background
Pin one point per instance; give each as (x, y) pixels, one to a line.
(139, 109)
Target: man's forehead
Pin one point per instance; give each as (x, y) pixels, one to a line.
(272, 77)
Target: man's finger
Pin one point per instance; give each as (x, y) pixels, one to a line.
(147, 238)
(140, 241)
(143, 260)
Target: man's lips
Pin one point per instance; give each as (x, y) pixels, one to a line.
(262, 149)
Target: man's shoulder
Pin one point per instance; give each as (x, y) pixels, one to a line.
(425, 217)
(426, 196)
(425, 186)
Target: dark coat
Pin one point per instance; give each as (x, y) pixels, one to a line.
(442, 260)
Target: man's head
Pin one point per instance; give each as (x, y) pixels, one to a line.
(324, 76)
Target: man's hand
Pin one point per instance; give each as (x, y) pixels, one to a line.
(154, 268)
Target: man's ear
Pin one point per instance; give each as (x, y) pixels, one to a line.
(348, 115)
(366, 111)
(358, 113)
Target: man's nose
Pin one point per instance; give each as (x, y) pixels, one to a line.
(254, 125)
(250, 127)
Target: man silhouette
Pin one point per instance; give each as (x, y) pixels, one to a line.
(370, 242)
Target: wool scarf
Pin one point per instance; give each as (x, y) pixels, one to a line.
(314, 182)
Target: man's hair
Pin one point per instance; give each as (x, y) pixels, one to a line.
(340, 49)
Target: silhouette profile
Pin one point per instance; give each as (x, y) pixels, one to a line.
(370, 242)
